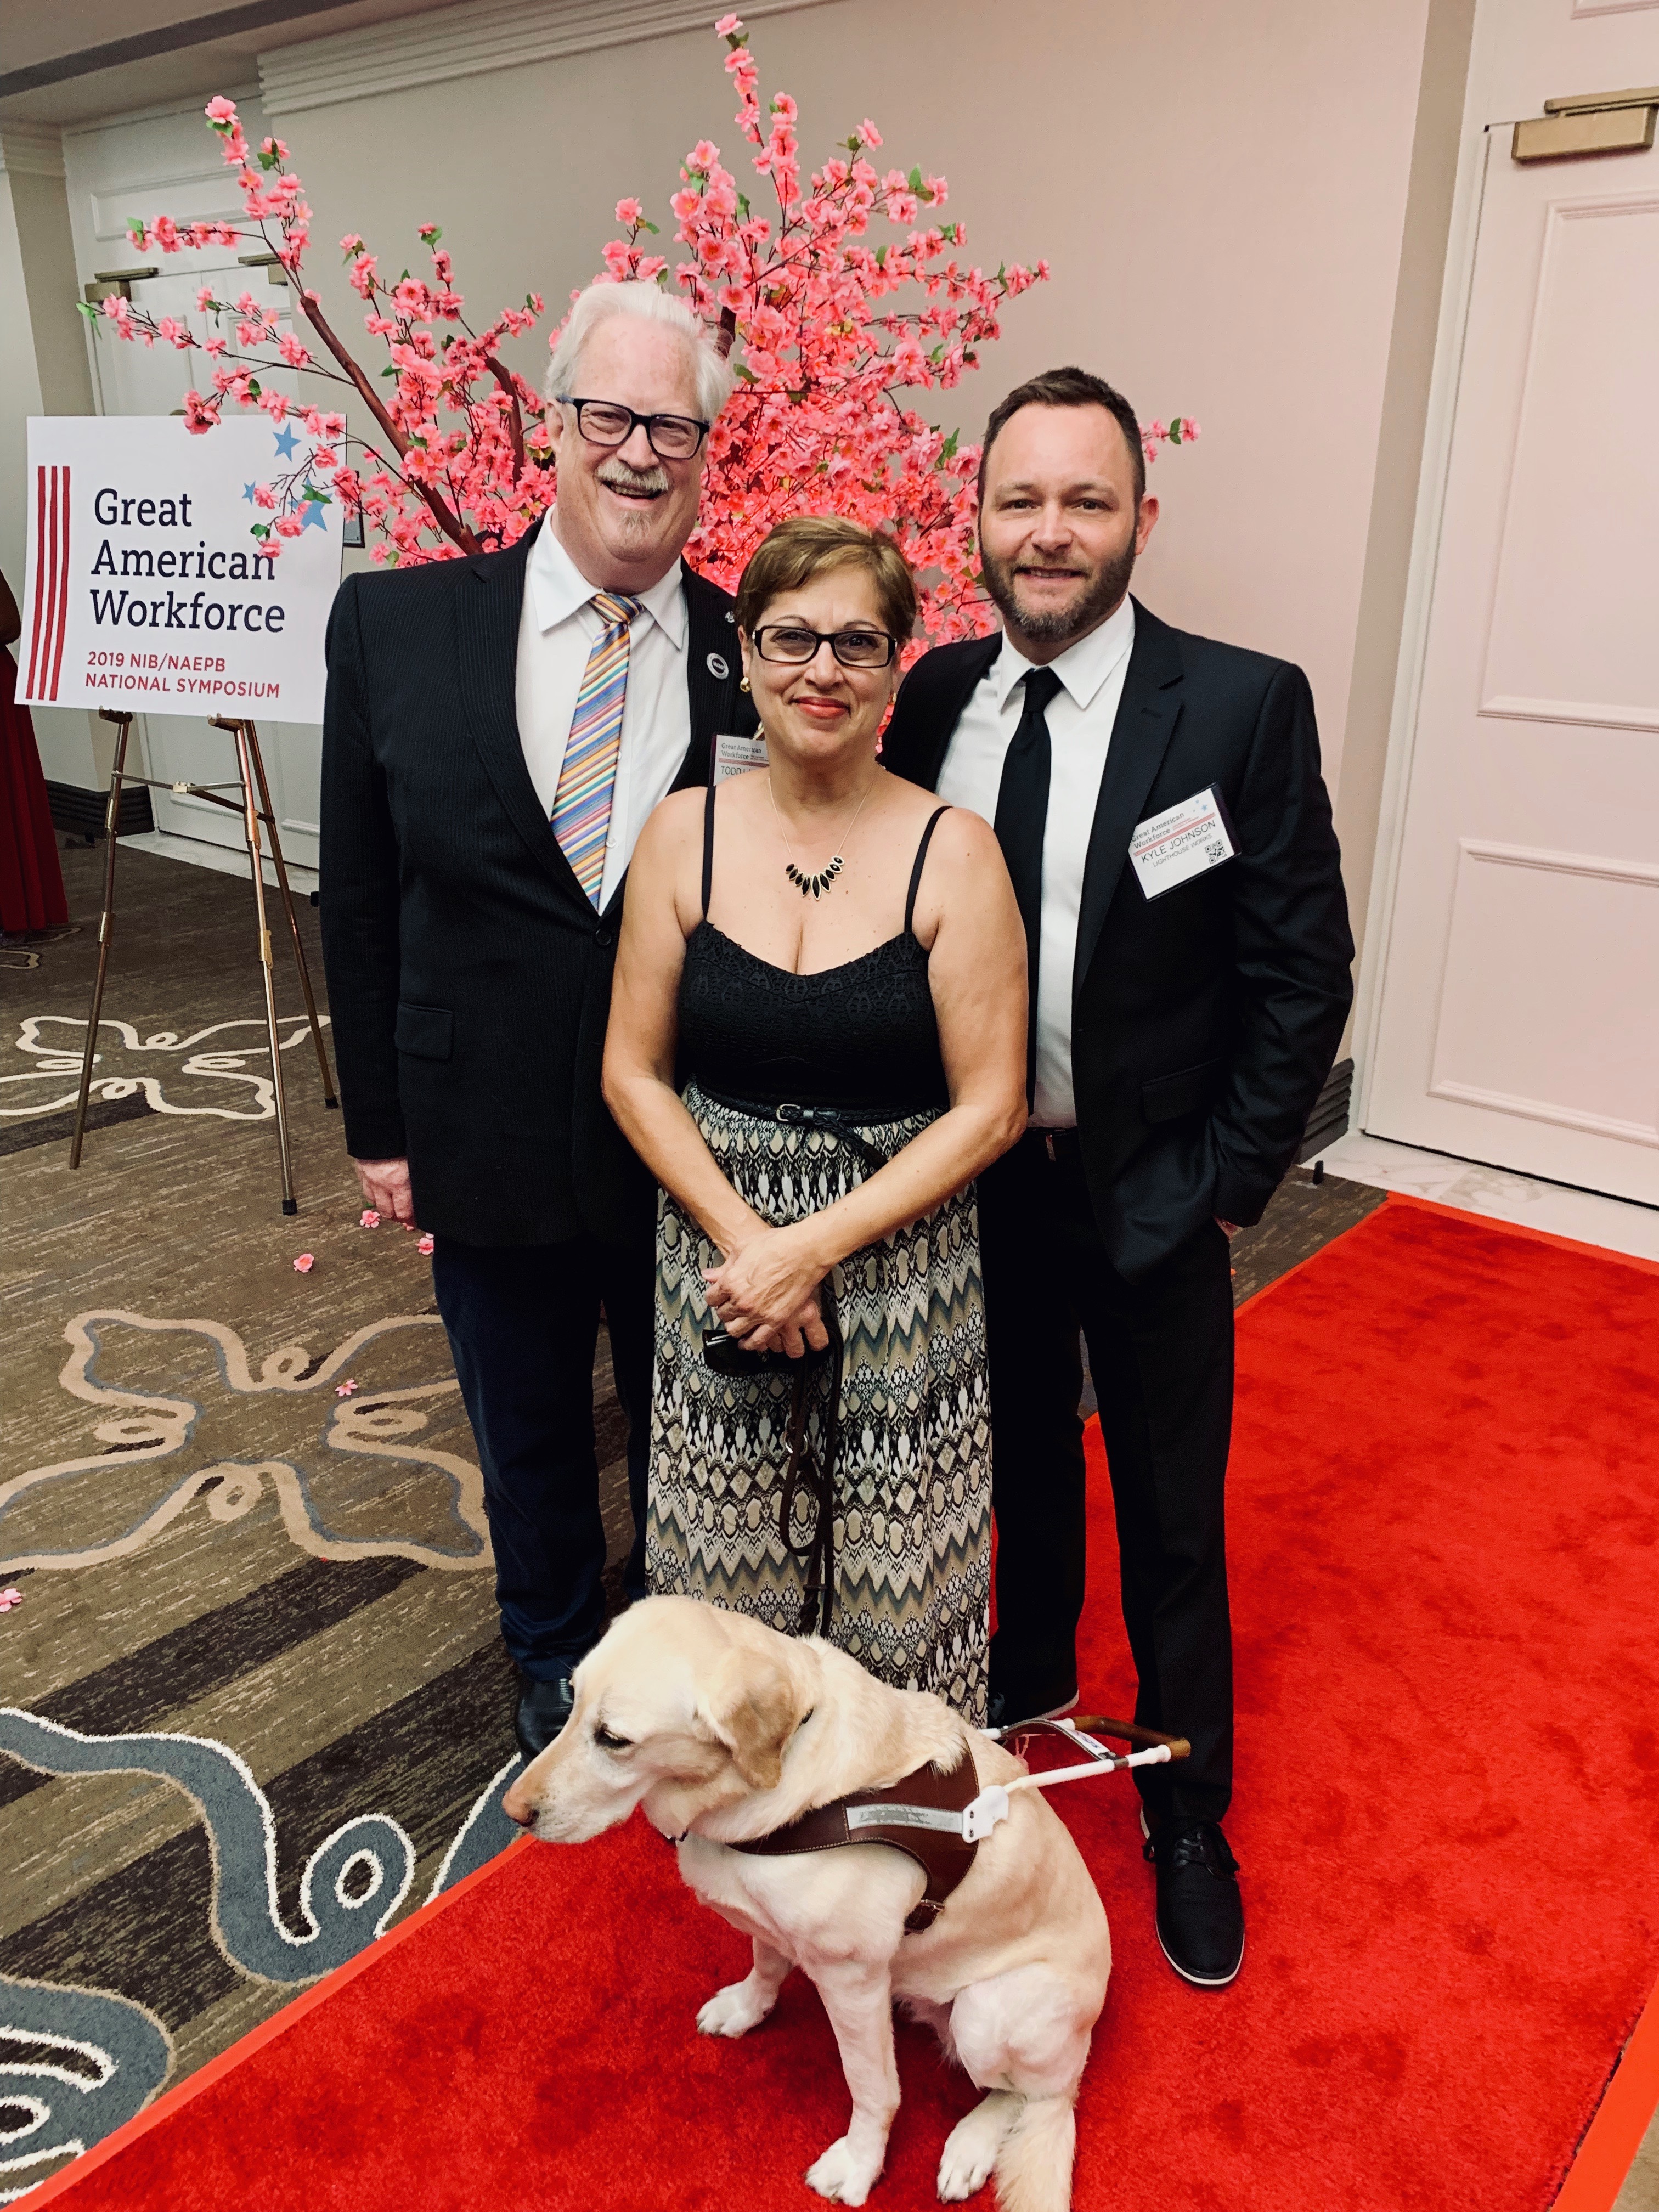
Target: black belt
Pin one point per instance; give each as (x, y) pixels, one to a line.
(1056, 1144)
(845, 1122)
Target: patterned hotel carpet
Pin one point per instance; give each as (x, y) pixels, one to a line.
(255, 1628)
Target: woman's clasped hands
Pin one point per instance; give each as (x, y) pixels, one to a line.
(765, 1292)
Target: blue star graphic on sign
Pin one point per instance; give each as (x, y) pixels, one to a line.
(286, 441)
(248, 491)
(312, 512)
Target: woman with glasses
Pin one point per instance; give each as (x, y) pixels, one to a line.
(817, 1042)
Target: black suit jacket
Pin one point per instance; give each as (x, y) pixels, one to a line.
(1204, 1020)
(469, 976)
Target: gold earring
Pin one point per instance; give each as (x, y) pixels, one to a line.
(743, 683)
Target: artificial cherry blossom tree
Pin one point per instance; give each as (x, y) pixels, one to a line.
(829, 332)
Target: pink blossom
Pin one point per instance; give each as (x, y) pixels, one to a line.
(368, 1219)
(829, 333)
(346, 1390)
(293, 351)
(200, 414)
(426, 1245)
(305, 1263)
(221, 110)
(8, 1598)
(204, 299)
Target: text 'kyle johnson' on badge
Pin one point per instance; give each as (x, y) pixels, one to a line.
(1171, 848)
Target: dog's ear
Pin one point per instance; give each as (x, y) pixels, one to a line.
(753, 1708)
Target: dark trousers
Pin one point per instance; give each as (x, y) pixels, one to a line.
(1161, 1354)
(523, 1322)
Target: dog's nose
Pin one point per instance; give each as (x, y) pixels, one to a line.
(518, 1807)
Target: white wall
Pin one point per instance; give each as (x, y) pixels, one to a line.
(1221, 193)
(43, 371)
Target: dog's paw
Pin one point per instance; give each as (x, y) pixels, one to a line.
(971, 2152)
(844, 2176)
(731, 2011)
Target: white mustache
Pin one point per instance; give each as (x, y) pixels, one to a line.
(621, 477)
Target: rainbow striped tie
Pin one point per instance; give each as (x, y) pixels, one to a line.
(588, 781)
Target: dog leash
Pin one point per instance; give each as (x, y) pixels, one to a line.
(982, 1814)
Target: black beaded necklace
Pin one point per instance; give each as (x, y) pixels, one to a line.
(813, 884)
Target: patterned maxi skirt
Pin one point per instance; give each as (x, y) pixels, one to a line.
(912, 1477)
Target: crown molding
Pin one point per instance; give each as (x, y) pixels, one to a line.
(162, 112)
(471, 40)
(31, 149)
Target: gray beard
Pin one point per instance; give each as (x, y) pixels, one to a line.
(1063, 624)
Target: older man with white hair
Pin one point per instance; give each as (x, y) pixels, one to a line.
(497, 731)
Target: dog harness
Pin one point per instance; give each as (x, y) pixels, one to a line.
(939, 1818)
(921, 1815)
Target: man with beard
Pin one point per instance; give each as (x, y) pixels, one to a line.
(497, 731)
(1158, 800)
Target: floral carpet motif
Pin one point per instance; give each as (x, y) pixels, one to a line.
(339, 1414)
(175, 1074)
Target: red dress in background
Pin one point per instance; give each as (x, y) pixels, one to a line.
(31, 880)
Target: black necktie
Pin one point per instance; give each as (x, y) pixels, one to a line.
(1022, 820)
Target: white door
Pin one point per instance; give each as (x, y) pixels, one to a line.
(1519, 1021)
(138, 379)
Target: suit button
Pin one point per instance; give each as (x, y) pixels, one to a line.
(605, 934)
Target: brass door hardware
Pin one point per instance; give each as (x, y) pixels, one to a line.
(270, 263)
(1587, 122)
(110, 284)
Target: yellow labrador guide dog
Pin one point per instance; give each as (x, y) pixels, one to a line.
(726, 1733)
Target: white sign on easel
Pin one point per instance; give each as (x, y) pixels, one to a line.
(146, 589)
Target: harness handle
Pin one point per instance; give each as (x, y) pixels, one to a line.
(991, 1805)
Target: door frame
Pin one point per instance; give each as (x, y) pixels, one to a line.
(1457, 297)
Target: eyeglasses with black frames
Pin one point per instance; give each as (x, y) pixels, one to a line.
(794, 645)
(606, 423)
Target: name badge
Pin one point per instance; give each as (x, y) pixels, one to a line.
(734, 756)
(1172, 848)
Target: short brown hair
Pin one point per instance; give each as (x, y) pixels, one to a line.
(809, 545)
(1068, 387)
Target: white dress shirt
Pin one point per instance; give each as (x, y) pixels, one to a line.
(557, 630)
(1080, 717)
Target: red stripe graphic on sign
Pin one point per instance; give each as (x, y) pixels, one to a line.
(39, 573)
(63, 587)
(51, 585)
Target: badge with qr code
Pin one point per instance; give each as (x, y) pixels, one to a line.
(1172, 848)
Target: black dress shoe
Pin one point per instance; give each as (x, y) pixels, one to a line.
(1201, 1914)
(1011, 1709)
(543, 1710)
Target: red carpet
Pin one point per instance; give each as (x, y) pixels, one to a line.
(1444, 1524)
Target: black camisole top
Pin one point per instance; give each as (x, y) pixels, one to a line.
(861, 1037)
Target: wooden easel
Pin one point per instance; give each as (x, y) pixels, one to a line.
(255, 807)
